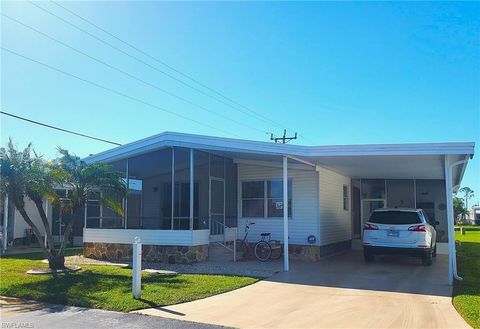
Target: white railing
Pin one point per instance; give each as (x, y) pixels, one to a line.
(225, 236)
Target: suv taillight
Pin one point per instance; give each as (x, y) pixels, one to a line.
(418, 228)
(370, 227)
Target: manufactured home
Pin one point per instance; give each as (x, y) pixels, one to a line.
(186, 192)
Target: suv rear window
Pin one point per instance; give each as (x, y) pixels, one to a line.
(395, 217)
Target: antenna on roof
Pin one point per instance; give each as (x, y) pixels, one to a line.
(284, 139)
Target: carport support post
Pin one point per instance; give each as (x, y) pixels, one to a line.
(450, 219)
(285, 213)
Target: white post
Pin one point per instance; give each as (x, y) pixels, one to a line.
(5, 223)
(450, 219)
(191, 188)
(127, 169)
(85, 215)
(46, 228)
(173, 188)
(235, 245)
(285, 213)
(137, 268)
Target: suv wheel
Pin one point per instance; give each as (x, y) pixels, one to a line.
(427, 259)
(434, 254)
(368, 256)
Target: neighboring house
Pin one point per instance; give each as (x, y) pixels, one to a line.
(186, 191)
(475, 215)
(18, 232)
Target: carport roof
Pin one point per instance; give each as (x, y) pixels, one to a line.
(417, 160)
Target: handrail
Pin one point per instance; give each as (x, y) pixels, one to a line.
(220, 228)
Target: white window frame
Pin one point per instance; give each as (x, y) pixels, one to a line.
(265, 198)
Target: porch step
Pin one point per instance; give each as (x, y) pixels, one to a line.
(218, 253)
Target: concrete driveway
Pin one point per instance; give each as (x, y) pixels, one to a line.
(339, 292)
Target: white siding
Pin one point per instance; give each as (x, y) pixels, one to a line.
(304, 221)
(19, 223)
(335, 222)
(154, 237)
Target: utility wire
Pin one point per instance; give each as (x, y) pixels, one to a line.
(254, 114)
(131, 75)
(189, 77)
(113, 91)
(58, 128)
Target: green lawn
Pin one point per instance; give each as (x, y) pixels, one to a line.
(467, 293)
(108, 287)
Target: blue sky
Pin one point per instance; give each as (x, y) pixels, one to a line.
(338, 73)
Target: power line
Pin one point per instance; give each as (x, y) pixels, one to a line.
(58, 128)
(131, 75)
(253, 114)
(189, 77)
(138, 100)
(164, 63)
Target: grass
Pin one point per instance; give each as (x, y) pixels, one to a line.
(108, 287)
(467, 292)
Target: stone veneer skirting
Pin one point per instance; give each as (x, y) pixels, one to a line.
(335, 248)
(150, 253)
(312, 253)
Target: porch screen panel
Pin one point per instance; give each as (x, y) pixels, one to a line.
(201, 192)
(111, 218)
(149, 192)
(181, 196)
(373, 189)
(430, 196)
(217, 166)
(400, 193)
(230, 193)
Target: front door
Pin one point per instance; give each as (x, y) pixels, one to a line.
(217, 207)
(368, 206)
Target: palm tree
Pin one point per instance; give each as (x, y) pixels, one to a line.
(81, 179)
(24, 175)
(468, 194)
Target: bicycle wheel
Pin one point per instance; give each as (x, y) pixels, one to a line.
(263, 251)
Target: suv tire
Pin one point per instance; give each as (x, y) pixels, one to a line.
(427, 259)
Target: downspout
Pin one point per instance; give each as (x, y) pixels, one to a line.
(449, 189)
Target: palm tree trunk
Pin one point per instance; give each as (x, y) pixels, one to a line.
(43, 216)
(53, 261)
(68, 229)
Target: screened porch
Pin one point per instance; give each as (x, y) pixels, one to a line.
(173, 188)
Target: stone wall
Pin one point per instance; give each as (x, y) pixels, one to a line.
(307, 253)
(150, 253)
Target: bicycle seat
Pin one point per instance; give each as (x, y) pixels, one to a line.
(265, 234)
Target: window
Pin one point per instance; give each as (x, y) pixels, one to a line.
(345, 197)
(275, 198)
(265, 198)
(253, 199)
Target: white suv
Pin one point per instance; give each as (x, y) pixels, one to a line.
(400, 231)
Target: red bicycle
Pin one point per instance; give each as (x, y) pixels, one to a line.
(264, 249)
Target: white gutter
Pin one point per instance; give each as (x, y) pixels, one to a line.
(170, 139)
(452, 257)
